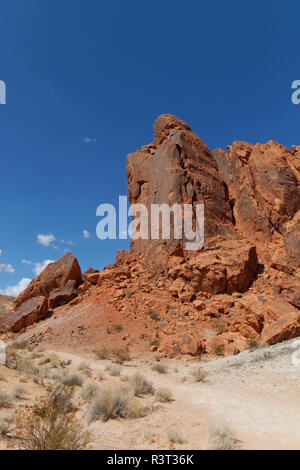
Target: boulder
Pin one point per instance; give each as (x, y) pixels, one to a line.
(62, 295)
(286, 327)
(29, 312)
(54, 276)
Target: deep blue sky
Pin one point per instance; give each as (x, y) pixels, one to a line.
(106, 70)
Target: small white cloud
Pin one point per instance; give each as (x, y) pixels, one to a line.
(39, 267)
(7, 268)
(0, 252)
(67, 242)
(26, 261)
(14, 291)
(89, 140)
(45, 240)
(86, 234)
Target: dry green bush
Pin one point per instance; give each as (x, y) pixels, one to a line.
(74, 379)
(114, 370)
(160, 367)
(121, 355)
(102, 353)
(218, 349)
(5, 424)
(198, 374)
(19, 391)
(90, 391)
(139, 384)
(115, 403)
(85, 369)
(5, 400)
(174, 435)
(50, 424)
(222, 438)
(164, 395)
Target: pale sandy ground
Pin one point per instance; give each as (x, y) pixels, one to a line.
(255, 394)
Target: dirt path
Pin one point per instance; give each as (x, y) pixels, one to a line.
(256, 395)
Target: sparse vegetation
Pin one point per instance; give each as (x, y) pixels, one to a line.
(163, 395)
(118, 328)
(19, 391)
(102, 353)
(75, 379)
(221, 326)
(115, 403)
(114, 370)
(5, 425)
(50, 424)
(174, 435)
(160, 367)
(218, 349)
(198, 374)
(154, 315)
(221, 438)
(140, 385)
(90, 391)
(85, 369)
(121, 355)
(4, 400)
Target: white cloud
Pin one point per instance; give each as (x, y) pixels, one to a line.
(67, 242)
(86, 234)
(89, 140)
(25, 261)
(14, 291)
(45, 240)
(39, 267)
(7, 268)
(0, 252)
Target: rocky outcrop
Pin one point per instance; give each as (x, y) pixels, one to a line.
(29, 312)
(54, 277)
(177, 168)
(286, 327)
(263, 187)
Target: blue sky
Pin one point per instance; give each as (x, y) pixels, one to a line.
(85, 81)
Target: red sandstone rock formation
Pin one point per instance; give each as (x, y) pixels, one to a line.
(242, 288)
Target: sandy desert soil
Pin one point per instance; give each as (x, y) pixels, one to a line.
(255, 395)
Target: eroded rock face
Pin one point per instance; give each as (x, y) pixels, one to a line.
(286, 327)
(55, 276)
(176, 168)
(230, 267)
(29, 312)
(263, 186)
(292, 240)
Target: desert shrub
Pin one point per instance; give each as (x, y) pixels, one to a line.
(254, 343)
(174, 435)
(221, 326)
(19, 345)
(121, 355)
(4, 400)
(164, 395)
(85, 369)
(5, 425)
(100, 375)
(218, 349)
(19, 391)
(114, 370)
(102, 353)
(44, 360)
(115, 403)
(198, 374)
(74, 379)
(160, 367)
(118, 328)
(221, 438)
(50, 424)
(140, 385)
(90, 391)
(154, 315)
